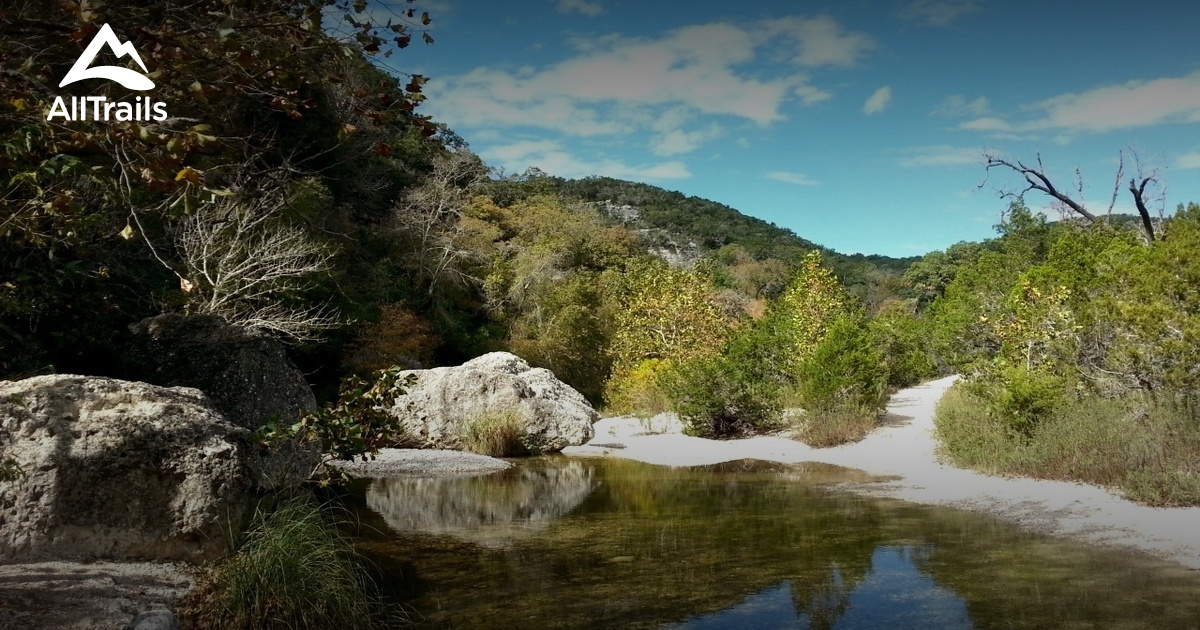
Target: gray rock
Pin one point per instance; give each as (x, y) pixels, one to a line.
(247, 375)
(438, 407)
(154, 620)
(408, 462)
(117, 469)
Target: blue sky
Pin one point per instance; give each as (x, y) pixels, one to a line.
(860, 125)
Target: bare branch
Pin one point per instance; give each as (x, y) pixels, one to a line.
(243, 260)
(1037, 180)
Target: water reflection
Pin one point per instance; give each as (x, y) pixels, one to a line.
(491, 510)
(628, 545)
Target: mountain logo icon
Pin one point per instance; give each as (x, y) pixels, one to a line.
(126, 77)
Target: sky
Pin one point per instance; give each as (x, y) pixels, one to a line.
(860, 125)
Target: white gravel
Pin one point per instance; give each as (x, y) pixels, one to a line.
(906, 447)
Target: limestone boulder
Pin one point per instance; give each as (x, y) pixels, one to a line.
(439, 405)
(247, 375)
(117, 469)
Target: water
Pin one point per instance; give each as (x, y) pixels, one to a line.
(582, 543)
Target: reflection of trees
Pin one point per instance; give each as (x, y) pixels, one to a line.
(660, 545)
(491, 510)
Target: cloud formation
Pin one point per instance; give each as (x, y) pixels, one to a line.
(786, 177)
(939, 12)
(878, 101)
(590, 9)
(1108, 108)
(551, 157)
(1188, 160)
(941, 155)
(618, 85)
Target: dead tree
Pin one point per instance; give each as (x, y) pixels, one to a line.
(1036, 179)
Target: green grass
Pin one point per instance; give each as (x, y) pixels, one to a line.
(495, 434)
(293, 570)
(1148, 448)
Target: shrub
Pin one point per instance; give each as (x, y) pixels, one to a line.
(719, 397)
(495, 434)
(1025, 398)
(638, 391)
(1147, 447)
(293, 569)
(357, 425)
(845, 371)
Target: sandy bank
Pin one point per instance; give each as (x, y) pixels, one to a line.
(905, 446)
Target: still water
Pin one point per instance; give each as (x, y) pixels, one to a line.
(606, 543)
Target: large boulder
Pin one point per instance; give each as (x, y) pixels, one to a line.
(438, 406)
(246, 374)
(117, 469)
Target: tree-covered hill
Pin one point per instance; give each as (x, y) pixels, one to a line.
(692, 226)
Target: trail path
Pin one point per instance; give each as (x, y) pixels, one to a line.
(906, 447)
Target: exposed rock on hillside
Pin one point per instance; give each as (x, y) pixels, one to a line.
(438, 408)
(116, 469)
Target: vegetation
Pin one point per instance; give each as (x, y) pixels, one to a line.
(1078, 346)
(495, 434)
(293, 570)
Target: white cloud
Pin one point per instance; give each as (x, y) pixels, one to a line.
(1132, 104)
(987, 123)
(820, 40)
(878, 101)
(551, 157)
(617, 85)
(957, 106)
(939, 12)
(1188, 160)
(810, 95)
(590, 9)
(941, 155)
(677, 141)
(798, 179)
(1107, 108)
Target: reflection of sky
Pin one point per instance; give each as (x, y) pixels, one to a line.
(894, 595)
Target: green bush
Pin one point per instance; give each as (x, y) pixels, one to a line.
(845, 371)
(720, 397)
(293, 570)
(496, 434)
(1026, 398)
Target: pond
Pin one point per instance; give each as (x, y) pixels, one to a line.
(560, 542)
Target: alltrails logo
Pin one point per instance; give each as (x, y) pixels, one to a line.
(142, 109)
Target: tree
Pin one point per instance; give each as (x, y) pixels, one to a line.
(1036, 179)
(244, 261)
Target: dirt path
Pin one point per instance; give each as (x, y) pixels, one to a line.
(905, 446)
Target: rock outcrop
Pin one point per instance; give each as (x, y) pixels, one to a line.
(117, 469)
(247, 376)
(437, 409)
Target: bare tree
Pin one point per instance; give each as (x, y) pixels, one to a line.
(1036, 179)
(429, 216)
(243, 262)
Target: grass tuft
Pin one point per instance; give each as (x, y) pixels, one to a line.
(495, 434)
(293, 570)
(822, 428)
